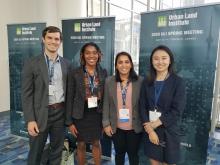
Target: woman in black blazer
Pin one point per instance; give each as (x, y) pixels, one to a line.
(162, 102)
(84, 102)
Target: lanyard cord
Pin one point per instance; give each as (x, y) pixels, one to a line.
(50, 69)
(157, 92)
(91, 79)
(124, 93)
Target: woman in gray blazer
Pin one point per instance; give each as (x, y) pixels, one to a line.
(121, 119)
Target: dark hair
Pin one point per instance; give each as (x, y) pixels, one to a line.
(132, 74)
(152, 75)
(82, 51)
(52, 29)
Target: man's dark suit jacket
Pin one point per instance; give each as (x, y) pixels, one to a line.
(35, 86)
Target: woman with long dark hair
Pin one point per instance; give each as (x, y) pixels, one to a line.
(85, 100)
(162, 102)
(121, 119)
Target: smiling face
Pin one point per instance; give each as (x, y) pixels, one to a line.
(123, 65)
(161, 61)
(91, 56)
(51, 42)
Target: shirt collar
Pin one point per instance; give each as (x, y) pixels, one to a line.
(57, 59)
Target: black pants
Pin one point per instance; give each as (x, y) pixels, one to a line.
(55, 130)
(126, 141)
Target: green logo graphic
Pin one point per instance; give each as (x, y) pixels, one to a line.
(162, 21)
(18, 31)
(77, 27)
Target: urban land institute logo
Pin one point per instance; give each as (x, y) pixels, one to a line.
(77, 27)
(162, 21)
(18, 31)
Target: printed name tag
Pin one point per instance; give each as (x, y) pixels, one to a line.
(51, 90)
(92, 102)
(123, 115)
(154, 115)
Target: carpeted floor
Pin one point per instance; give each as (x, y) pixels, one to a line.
(14, 149)
(213, 157)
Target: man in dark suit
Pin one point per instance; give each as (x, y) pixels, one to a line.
(43, 95)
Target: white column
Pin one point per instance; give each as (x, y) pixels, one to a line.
(30, 11)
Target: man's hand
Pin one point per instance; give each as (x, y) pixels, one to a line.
(33, 128)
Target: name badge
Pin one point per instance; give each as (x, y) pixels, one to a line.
(154, 115)
(51, 90)
(123, 115)
(92, 102)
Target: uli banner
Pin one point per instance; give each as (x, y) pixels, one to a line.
(192, 34)
(77, 32)
(24, 41)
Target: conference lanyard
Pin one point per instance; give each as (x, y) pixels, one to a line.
(50, 69)
(157, 91)
(91, 79)
(124, 93)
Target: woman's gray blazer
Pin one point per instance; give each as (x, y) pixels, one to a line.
(110, 105)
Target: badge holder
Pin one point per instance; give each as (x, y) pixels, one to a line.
(154, 115)
(123, 115)
(92, 102)
(51, 90)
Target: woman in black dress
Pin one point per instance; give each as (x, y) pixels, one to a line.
(162, 102)
(84, 102)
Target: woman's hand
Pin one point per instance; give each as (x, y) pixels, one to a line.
(73, 130)
(153, 137)
(108, 130)
(147, 127)
(155, 124)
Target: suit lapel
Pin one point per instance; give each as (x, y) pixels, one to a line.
(80, 79)
(134, 93)
(64, 69)
(64, 72)
(44, 69)
(151, 95)
(113, 90)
